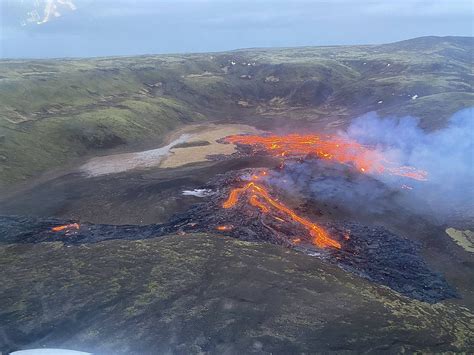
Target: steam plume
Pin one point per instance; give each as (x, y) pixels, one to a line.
(446, 154)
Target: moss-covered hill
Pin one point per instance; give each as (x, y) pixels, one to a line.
(55, 110)
(207, 294)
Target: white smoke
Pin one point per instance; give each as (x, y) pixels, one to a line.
(447, 155)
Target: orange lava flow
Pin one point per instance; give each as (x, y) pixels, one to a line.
(328, 147)
(260, 198)
(65, 227)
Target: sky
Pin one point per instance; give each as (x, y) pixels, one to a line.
(91, 28)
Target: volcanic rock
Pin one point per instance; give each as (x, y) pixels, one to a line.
(202, 293)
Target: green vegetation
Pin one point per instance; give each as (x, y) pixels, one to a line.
(55, 110)
(200, 293)
(191, 144)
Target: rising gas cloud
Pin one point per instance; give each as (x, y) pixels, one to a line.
(446, 155)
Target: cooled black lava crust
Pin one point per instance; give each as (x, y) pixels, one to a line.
(371, 252)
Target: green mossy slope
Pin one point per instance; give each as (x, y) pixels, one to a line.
(55, 110)
(200, 293)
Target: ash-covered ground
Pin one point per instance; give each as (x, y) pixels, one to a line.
(371, 252)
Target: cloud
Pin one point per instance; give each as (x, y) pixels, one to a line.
(418, 7)
(110, 27)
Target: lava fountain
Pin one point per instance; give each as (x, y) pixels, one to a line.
(345, 151)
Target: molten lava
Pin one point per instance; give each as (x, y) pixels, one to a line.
(66, 227)
(342, 150)
(345, 151)
(259, 197)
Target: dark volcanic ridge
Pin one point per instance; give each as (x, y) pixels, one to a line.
(371, 252)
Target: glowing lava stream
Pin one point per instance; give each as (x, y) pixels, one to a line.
(335, 148)
(258, 193)
(66, 227)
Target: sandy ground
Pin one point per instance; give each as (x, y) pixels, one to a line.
(209, 133)
(167, 156)
(117, 163)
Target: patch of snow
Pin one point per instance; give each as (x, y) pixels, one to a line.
(313, 253)
(197, 192)
(414, 97)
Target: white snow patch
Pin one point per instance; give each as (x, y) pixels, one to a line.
(414, 97)
(197, 192)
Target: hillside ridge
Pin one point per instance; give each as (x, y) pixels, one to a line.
(56, 110)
